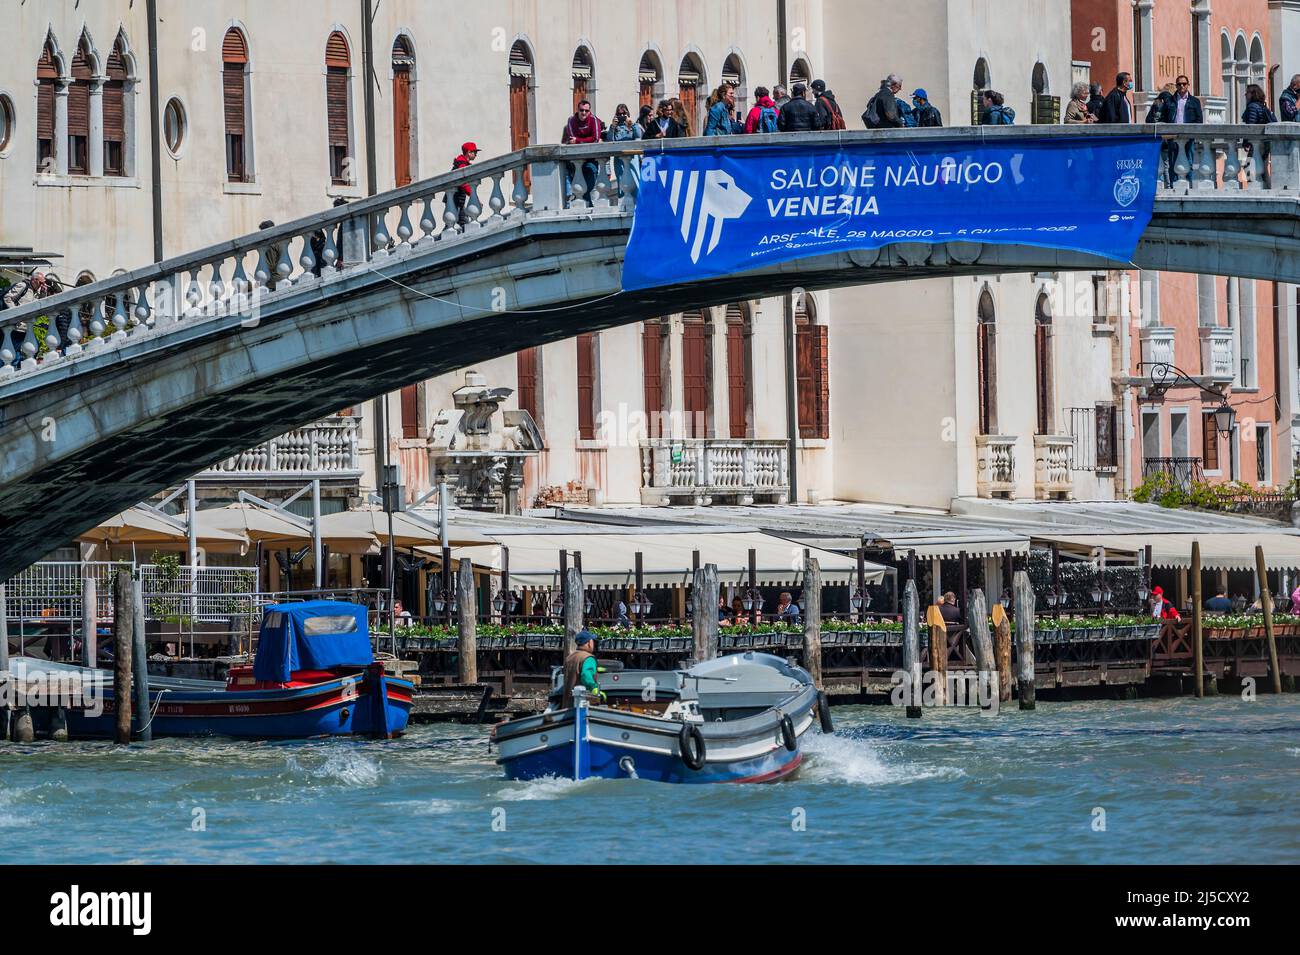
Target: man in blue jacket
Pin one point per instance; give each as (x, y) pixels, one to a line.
(1183, 107)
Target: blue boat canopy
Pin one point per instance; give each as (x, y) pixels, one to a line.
(314, 635)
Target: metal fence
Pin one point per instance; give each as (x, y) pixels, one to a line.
(51, 591)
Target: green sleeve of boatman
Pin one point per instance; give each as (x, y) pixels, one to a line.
(587, 676)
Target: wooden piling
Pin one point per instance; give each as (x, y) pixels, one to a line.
(812, 619)
(704, 611)
(467, 614)
(1198, 630)
(912, 650)
(1266, 601)
(977, 619)
(938, 654)
(123, 624)
(89, 621)
(1002, 650)
(572, 606)
(140, 662)
(1023, 593)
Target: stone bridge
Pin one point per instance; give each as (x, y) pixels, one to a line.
(144, 378)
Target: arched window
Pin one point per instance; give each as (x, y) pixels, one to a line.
(1258, 62)
(986, 357)
(1039, 80)
(981, 80)
(405, 140)
(234, 99)
(650, 79)
(584, 77)
(740, 372)
(697, 373)
(588, 392)
(117, 159)
(1043, 364)
(1241, 78)
(338, 107)
(522, 82)
(1047, 108)
(691, 81)
(83, 73)
(800, 72)
(733, 74)
(47, 77)
(812, 371)
(6, 122)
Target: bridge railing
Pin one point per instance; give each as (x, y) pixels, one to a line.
(227, 284)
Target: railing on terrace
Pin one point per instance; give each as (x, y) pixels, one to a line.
(1183, 471)
(224, 285)
(50, 592)
(325, 449)
(701, 469)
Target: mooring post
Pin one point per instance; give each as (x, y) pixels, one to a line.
(977, 619)
(467, 613)
(704, 612)
(812, 619)
(1002, 650)
(572, 606)
(1024, 597)
(140, 661)
(89, 621)
(1198, 630)
(1266, 601)
(123, 624)
(912, 650)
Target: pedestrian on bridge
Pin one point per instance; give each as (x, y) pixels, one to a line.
(663, 126)
(828, 111)
(583, 127)
(882, 110)
(925, 113)
(995, 111)
(762, 115)
(1116, 107)
(468, 153)
(1288, 104)
(721, 119)
(1077, 112)
(798, 115)
(622, 130)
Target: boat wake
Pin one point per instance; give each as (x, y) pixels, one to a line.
(858, 762)
(347, 768)
(547, 787)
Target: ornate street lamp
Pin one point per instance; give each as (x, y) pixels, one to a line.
(1165, 375)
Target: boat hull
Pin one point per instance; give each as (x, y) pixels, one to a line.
(356, 704)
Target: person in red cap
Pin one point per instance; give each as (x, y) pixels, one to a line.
(468, 153)
(1162, 608)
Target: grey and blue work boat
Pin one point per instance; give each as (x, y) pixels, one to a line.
(734, 719)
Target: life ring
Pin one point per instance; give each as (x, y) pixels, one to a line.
(787, 733)
(691, 743)
(824, 712)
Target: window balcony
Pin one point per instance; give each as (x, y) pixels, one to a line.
(1052, 475)
(706, 471)
(1157, 345)
(995, 465)
(1183, 471)
(326, 449)
(1217, 355)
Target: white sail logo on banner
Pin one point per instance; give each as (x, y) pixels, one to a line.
(704, 209)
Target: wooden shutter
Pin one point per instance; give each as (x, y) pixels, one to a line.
(411, 411)
(586, 387)
(1209, 443)
(401, 124)
(812, 381)
(337, 67)
(1042, 368)
(695, 376)
(234, 59)
(651, 362)
(527, 373)
(79, 112)
(520, 135)
(689, 101)
(982, 348)
(737, 374)
(115, 112)
(46, 74)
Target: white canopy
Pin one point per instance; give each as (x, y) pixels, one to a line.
(609, 559)
(1218, 551)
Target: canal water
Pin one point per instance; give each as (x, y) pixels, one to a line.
(1169, 781)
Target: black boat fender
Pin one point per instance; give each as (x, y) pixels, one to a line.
(691, 743)
(824, 712)
(787, 733)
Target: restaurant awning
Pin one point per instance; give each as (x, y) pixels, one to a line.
(141, 525)
(409, 530)
(609, 560)
(1218, 551)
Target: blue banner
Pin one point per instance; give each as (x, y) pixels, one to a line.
(713, 212)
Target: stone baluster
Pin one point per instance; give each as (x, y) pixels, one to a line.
(450, 215)
(143, 313)
(428, 221)
(7, 353)
(1232, 165)
(283, 265)
(97, 323)
(216, 287)
(306, 257)
(329, 252)
(380, 232)
(1183, 165)
(630, 182)
(193, 291)
(1258, 179)
(473, 206)
(30, 346)
(497, 201)
(1206, 165)
(75, 332)
(51, 338)
(404, 228)
(119, 318)
(519, 195)
(578, 188)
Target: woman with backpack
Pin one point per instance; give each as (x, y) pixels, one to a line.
(1257, 113)
(762, 116)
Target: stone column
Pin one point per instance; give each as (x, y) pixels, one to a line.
(61, 127)
(95, 141)
(1147, 55)
(1201, 33)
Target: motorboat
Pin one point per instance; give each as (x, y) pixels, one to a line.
(734, 719)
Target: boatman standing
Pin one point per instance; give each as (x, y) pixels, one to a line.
(580, 668)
